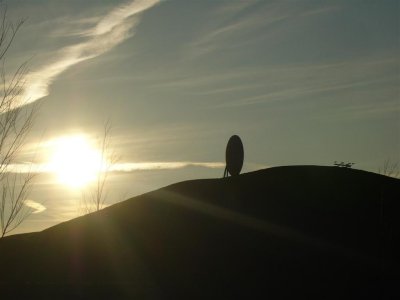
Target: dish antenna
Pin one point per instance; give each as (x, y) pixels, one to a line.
(234, 156)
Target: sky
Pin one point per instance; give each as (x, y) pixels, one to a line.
(301, 82)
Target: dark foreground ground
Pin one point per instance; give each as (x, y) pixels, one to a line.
(298, 232)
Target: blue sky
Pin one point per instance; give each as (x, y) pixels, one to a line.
(302, 82)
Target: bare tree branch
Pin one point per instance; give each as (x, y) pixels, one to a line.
(95, 198)
(16, 120)
(390, 168)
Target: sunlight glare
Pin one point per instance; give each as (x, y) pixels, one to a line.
(75, 161)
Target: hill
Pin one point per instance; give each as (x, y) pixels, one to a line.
(299, 231)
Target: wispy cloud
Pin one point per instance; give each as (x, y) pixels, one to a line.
(121, 167)
(242, 18)
(346, 77)
(111, 30)
(365, 87)
(120, 14)
(37, 207)
(129, 167)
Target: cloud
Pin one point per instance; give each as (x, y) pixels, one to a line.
(345, 78)
(234, 23)
(110, 31)
(365, 87)
(121, 13)
(37, 207)
(121, 167)
(129, 167)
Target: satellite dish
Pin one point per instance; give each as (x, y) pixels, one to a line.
(234, 156)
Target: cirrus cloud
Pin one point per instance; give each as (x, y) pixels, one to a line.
(110, 31)
(37, 207)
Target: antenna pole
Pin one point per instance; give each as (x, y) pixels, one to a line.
(225, 172)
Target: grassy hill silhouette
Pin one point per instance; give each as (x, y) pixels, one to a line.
(299, 231)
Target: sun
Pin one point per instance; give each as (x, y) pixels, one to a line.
(75, 161)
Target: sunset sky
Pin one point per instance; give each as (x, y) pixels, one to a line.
(301, 82)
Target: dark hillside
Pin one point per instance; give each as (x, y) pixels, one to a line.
(304, 231)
